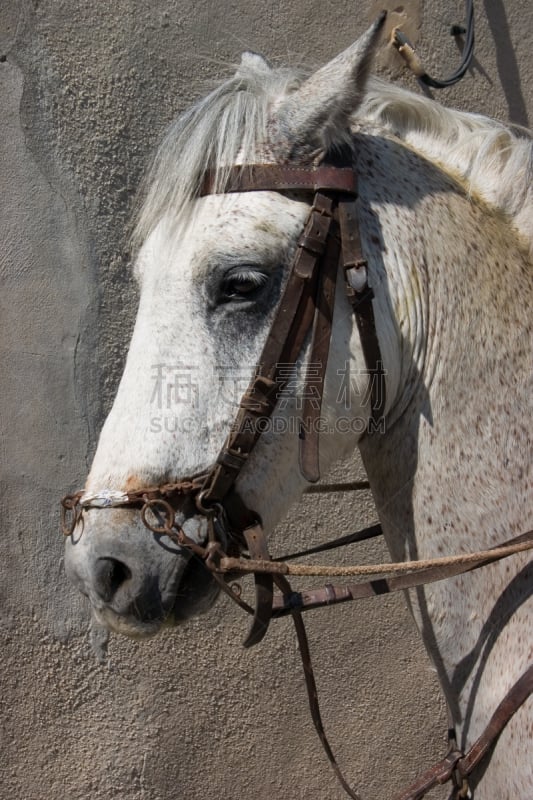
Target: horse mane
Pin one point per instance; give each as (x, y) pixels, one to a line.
(229, 125)
(492, 159)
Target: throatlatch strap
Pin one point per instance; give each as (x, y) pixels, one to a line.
(318, 359)
(360, 295)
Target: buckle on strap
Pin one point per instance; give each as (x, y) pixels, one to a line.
(232, 459)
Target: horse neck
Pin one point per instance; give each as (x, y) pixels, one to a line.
(452, 471)
(454, 289)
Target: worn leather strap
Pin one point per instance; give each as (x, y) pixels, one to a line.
(439, 773)
(310, 291)
(457, 765)
(311, 687)
(264, 586)
(370, 532)
(515, 697)
(407, 574)
(360, 296)
(318, 359)
(280, 178)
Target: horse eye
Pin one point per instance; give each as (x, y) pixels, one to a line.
(242, 285)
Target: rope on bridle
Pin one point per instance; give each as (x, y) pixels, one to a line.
(446, 565)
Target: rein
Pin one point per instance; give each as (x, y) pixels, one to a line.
(330, 238)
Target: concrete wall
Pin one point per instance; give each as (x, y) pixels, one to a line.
(86, 91)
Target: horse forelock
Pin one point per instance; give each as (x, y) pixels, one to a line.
(226, 127)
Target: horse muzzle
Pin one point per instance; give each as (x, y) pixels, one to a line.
(137, 580)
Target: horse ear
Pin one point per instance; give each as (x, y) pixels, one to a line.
(252, 61)
(317, 114)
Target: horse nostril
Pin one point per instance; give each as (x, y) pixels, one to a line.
(109, 576)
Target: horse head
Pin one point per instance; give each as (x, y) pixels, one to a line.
(211, 270)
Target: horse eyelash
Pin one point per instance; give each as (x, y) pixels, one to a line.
(247, 276)
(240, 277)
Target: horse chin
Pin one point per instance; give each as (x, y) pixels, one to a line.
(130, 626)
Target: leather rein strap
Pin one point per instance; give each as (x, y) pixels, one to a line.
(456, 766)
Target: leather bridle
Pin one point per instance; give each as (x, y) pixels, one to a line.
(330, 239)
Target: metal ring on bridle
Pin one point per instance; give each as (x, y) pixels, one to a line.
(70, 505)
(203, 508)
(167, 510)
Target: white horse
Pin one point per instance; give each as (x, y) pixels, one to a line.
(446, 217)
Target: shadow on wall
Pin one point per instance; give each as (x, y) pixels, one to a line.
(506, 61)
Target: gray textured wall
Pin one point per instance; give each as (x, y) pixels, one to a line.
(86, 90)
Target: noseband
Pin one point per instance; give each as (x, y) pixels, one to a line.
(331, 238)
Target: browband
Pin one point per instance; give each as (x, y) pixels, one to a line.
(277, 178)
